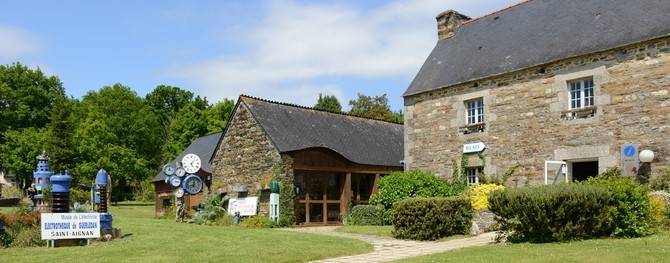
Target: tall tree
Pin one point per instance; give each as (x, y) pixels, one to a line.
(118, 132)
(376, 108)
(190, 124)
(167, 101)
(218, 115)
(328, 103)
(26, 98)
(59, 143)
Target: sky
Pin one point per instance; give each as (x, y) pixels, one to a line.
(281, 50)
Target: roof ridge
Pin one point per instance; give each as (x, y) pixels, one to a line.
(312, 108)
(497, 11)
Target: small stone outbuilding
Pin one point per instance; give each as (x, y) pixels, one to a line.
(334, 159)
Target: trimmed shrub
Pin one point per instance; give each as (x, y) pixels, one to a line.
(657, 211)
(366, 215)
(432, 218)
(551, 213)
(479, 195)
(629, 202)
(414, 183)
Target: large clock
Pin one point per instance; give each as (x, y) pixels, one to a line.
(192, 184)
(191, 163)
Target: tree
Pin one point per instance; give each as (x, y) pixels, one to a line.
(376, 108)
(26, 98)
(188, 126)
(119, 132)
(59, 143)
(20, 150)
(328, 103)
(218, 115)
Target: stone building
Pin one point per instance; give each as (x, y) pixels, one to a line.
(203, 147)
(333, 159)
(570, 81)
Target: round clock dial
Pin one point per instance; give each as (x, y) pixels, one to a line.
(192, 184)
(191, 163)
(175, 181)
(179, 171)
(179, 192)
(168, 169)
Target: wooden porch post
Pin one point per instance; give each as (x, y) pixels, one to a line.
(346, 194)
(375, 184)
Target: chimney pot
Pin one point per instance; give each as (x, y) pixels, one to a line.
(448, 23)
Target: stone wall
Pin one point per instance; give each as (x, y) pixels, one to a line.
(524, 115)
(245, 157)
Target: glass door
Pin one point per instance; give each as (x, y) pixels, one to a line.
(318, 198)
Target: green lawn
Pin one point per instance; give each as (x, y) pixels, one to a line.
(153, 240)
(655, 248)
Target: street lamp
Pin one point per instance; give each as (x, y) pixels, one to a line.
(646, 157)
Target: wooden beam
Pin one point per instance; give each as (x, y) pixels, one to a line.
(346, 194)
(375, 184)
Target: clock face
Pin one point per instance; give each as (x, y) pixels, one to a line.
(179, 192)
(191, 163)
(175, 181)
(168, 169)
(179, 171)
(192, 184)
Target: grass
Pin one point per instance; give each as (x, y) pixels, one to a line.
(155, 240)
(648, 249)
(382, 231)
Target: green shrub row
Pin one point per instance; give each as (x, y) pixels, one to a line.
(552, 213)
(366, 215)
(414, 183)
(432, 218)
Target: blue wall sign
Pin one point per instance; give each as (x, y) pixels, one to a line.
(630, 163)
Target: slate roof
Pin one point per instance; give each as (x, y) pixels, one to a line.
(537, 32)
(204, 147)
(360, 140)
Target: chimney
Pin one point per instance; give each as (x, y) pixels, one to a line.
(448, 23)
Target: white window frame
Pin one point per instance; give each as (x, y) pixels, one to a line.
(472, 174)
(581, 93)
(474, 111)
(552, 177)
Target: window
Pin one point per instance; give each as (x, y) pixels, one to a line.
(474, 113)
(473, 174)
(581, 93)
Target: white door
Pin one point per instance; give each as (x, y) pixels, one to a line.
(555, 171)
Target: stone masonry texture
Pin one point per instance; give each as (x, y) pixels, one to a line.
(524, 115)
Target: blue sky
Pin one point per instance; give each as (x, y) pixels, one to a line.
(281, 50)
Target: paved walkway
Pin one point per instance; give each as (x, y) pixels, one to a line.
(389, 249)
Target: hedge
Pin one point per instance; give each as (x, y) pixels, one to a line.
(551, 213)
(363, 215)
(432, 218)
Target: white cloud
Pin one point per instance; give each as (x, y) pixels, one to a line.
(17, 42)
(296, 45)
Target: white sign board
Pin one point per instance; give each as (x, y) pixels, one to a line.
(473, 147)
(70, 225)
(630, 161)
(247, 206)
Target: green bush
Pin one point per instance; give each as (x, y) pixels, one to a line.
(256, 222)
(629, 202)
(662, 182)
(363, 215)
(22, 229)
(145, 192)
(414, 183)
(558, 212)
(79, 196)
(432, 218)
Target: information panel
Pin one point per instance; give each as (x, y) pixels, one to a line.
(630, 162)
(247, 206)
(70, 225)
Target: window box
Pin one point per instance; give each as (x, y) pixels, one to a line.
(579, 113)
(472, 128)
